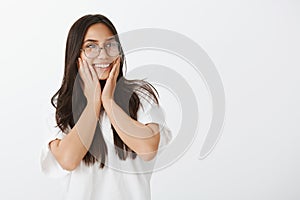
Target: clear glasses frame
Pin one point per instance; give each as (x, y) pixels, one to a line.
(112, 48)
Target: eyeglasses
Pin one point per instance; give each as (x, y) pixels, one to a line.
(112, 48)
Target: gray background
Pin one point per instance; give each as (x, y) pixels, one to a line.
(255, 47)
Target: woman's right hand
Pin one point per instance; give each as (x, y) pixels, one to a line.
(91, 85)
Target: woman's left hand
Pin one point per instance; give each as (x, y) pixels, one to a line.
(111, 82)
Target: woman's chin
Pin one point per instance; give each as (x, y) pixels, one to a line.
(102, 75)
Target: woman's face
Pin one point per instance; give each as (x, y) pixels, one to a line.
(97, 34)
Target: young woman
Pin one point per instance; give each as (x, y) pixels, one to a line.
(109, 128)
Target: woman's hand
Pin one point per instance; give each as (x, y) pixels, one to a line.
(90, 86)
(111, 82)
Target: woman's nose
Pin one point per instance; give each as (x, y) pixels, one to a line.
(102, 53)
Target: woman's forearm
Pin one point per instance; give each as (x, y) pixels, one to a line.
(141, 138)
(72, 148)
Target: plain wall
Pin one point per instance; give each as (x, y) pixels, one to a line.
(255, 46)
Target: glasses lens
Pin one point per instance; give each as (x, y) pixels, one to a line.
(91, 51)
(112, 48)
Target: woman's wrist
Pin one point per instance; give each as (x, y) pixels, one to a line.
(107, 104)
(95, 107)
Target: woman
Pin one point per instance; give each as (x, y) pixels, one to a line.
(109, 127)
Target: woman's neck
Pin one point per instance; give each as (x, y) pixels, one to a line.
(102, 84)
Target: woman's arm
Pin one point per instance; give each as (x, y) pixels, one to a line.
(70, 150)
(143, 139)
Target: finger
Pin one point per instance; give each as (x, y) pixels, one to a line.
(115, 66)
(93, 73)
(81, 70)
(116, 69)
(112, 72)
(83, 79)
(87, 70)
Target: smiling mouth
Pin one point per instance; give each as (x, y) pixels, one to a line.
(102, 66)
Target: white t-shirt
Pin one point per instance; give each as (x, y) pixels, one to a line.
(119, 179)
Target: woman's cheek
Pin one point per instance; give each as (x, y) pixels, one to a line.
(89, 61)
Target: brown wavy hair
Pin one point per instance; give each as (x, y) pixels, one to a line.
(69, 101)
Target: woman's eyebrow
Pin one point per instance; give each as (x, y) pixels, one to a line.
(111, 37)
(96, 41)
(90, 40)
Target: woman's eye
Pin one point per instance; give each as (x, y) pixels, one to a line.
(111, 44)
(92, 46)
(108, 44)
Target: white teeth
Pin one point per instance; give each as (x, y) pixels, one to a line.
(101, 65)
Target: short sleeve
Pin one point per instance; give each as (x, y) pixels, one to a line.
(150, 112)
(49, 165)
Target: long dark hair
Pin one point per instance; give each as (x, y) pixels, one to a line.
(70, 101)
